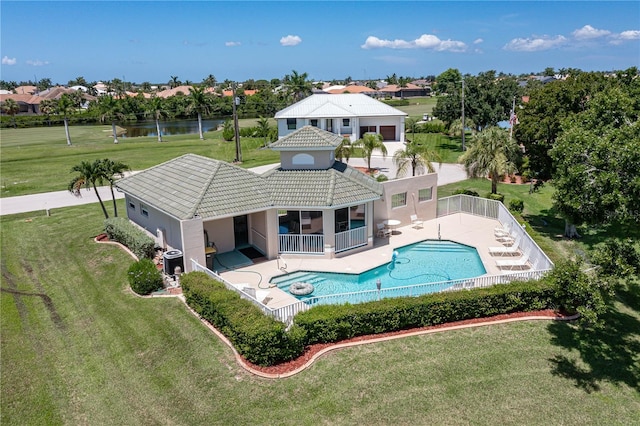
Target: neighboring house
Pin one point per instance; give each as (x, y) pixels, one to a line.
(352, 88)
(310, 205)
(411, 90)
(348, 115)
(30, 104)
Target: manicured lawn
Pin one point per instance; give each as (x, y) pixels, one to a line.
(419, 106)
(78, 347)
(38, 159)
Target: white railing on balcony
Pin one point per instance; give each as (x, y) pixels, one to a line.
(301, 243)
(496, 210)
(259, 240)
(352, 238)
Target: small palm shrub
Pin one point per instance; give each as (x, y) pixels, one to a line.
(144, 277)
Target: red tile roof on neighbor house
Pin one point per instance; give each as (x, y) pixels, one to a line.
(25, 90)
(172, 92)
(352, 89)
(249, 92)
(396, 88)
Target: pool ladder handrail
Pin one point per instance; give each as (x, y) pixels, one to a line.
(282, 268)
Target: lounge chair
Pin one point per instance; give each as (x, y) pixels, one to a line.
(383, 231)
(502, 250)
(513, 263)
(415, 222)
(500, 231)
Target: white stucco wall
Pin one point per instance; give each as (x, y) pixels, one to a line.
(425, 210)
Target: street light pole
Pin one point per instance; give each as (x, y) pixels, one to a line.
(463, 128)
(235, 125)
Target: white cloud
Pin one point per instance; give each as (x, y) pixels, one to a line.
(37, 62)
(290, 40)
(478, 41)
(535, 44)
(232, 43)
(588, 32)
(630, 35)
(8, 61)
(425, 41)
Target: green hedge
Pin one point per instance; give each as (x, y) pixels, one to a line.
(144, 277)
(121, 230)
(260, 339)
(330, 323)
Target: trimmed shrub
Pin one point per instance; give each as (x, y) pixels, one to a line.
(497, 197)
(396, 102)
(466, 192)
(228, 131)
(330, 323)
(121, 230)
(516, 205)
(144, 277)
(260, 339)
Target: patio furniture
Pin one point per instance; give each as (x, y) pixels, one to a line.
(383, 231)
(513, 263)
(391, 224)
(415, 222)
(502, 250)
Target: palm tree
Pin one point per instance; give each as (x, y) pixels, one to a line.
(344, 150)
(455, 128)
(264, 128)
(155, 108)
(369, 143)
(11, 107)
(297, 85)
(210, 81)
(419, 157)
(410, 126)
(110, 111)
(199, 102)
(65, 107)
(88, 175)
(174, 82)
(492, 153)
(109, 170)
(48, 107)
(402, 83)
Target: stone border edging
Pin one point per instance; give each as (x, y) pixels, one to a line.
(243, 363)
(117, 244)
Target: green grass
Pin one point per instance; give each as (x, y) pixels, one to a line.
(79, 348)
(419, 106)
(38, 159)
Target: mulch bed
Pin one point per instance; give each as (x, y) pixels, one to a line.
(310, 351)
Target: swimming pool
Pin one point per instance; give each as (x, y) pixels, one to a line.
(429, 261)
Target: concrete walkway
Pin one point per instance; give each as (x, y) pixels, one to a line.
(447, 173)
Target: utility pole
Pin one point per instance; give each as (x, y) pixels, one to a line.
(235, 125)
(512, 118)
(463, 127)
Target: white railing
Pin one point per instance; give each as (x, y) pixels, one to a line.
(259, 240)
(420, 289)
(496, 210)
(284, 313)
(352, 238)
(301, 243)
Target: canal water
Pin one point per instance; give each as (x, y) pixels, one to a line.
(169, 128)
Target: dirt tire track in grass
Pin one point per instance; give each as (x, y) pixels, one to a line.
(48, 302)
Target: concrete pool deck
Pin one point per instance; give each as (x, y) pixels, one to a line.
(463, 228)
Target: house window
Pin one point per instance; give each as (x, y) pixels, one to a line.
(132, 205)
(144, 211)
(346, 122)
(314, 122)
(424, 194)
(291, 123)
(399, 200)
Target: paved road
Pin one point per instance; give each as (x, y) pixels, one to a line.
(447, 173)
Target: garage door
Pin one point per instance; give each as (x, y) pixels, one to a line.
(388, 133)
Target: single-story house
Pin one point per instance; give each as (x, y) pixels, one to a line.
(408, 91)
(349, 115)
(311, 205)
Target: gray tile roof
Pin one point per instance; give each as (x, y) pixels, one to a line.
(338, 106)
(192, 184)
(307, 138)
(337, 186)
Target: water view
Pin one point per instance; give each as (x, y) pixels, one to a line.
(169, 128)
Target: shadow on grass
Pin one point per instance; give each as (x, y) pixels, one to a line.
(608, 353)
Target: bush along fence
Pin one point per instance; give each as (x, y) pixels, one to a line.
(266, 341)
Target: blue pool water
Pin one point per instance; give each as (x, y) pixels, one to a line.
(430, 261)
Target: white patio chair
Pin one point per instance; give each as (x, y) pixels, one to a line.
(415, 222)
(383, 231)
(502, 250)
(513, 263)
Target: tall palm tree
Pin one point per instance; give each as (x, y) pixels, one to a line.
(369, 143)
(344, 150)
(174, 82)
(410, 126)
(297, 85)
(110, 110)
(48, 107)
(455, 128)
(402, 83)
(418, 157)
(155, 107)
(198, 102)
(89, 174)
(264, 128)
(65, 107)
(109, 170)
(11, 107)
(492, 153)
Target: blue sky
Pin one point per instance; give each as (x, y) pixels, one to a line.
(151, 41)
